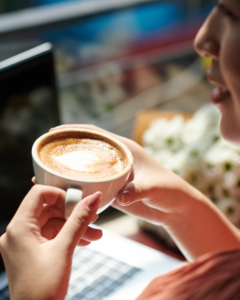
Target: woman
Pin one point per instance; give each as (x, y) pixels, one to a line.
(156, 195)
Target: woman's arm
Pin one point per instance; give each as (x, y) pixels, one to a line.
(157, 195)
(198, 227)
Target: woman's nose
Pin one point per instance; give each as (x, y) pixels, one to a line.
(207, 41)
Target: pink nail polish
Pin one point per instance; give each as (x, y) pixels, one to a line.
(94, 200)
(126, 197)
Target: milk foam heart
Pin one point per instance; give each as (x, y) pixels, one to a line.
(78, 160)
(82, 157)
(84, 161)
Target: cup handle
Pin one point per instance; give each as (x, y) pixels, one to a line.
(72, 198)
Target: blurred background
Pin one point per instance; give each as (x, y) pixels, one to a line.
(112, 58)
(108, 54)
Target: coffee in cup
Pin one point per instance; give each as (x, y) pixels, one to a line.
(82, 162)
(82, 155)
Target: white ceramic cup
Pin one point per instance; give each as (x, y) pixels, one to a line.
(78, 188)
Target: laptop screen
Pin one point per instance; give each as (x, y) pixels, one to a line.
(28, 108)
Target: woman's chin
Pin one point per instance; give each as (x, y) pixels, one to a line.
(230, 134)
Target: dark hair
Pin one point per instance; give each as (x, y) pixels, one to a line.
(212, 277)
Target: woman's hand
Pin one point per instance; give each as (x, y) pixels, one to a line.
(38, 245)
(152, 191)
(159, 196)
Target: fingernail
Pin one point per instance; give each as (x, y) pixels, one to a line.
(53, 128)
(126, 198)
(95, 218)
(94, 200)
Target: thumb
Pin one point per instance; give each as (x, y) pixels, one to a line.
(78, 222)
(130, 194)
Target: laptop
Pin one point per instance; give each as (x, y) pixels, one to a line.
(115, 268)
(112, 268)
(28, 108)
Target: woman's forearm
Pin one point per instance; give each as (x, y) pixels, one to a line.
(200, 227)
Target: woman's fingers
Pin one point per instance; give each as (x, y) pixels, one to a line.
(83, 243)
(94, 218)
(92, 234)
(52, 228)
(55, 211)
(54, 225)
(77, 224)
(50, 212)
(131, 193)
(91, 127)
(84, 126)
(33, 204)
(34, 181)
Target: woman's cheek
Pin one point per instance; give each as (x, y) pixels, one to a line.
(231, 61)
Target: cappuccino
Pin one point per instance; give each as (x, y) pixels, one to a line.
(82, 155)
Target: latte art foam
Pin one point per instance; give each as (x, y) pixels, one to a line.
(82, 158)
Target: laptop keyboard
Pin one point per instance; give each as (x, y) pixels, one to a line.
(93, 277)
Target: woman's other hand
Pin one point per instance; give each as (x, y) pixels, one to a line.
(38, 245)
(151, 190)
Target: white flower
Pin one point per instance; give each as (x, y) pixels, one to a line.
(165, 134)
(223, 153)
(150, 150)
(208, 115)
(163, 156)
(219, 191)
(176, 162)
(203, 127)
(230, 179)
(231, 210)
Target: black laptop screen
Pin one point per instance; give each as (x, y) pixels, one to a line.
(28, 108)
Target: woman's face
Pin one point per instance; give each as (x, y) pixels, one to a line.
(219, 39)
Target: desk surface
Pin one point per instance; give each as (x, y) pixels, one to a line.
(127, 226)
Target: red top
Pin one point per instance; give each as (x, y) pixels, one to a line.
(214, 276)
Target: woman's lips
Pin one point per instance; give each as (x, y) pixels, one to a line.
(219, 95)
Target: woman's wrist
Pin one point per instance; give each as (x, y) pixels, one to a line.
(198, 227)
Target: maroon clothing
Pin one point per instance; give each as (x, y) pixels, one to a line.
(212, 277)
